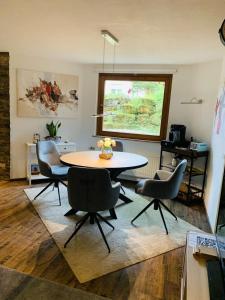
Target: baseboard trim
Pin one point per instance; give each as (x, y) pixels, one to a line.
(17, 179)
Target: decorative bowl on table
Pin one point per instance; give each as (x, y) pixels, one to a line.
(106, 145)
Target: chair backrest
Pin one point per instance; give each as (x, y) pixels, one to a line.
(176, 179)
(118, 147)
(168, 188)
(90, 189)
(47, 155)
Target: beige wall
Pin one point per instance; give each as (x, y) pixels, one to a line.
(22, 129)
(199, 80)
(189, 81)
(216, 166)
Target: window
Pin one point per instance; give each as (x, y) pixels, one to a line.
(134, 106)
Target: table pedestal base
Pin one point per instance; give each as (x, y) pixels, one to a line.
(113, 213)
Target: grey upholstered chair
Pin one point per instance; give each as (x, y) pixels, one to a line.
(50, 165)
(119, 148)
(90, 190)
(165, 185)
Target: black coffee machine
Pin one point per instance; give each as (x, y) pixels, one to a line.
(177, 135)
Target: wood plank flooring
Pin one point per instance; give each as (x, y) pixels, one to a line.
(25, 245)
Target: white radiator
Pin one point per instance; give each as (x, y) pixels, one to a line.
(144, 172)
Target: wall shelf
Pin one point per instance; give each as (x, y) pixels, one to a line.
(192, 101)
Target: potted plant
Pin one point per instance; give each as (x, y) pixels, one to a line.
(53, 130)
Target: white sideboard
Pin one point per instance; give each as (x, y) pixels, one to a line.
(32, 164)
(195, 283)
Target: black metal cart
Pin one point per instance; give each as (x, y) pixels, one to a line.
(192, 192)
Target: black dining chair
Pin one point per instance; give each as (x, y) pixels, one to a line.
(119, 146)
(50, 165)
(90, 190)
(165, 185)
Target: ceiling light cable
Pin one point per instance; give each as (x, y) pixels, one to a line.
(103, 58)
(114, 57)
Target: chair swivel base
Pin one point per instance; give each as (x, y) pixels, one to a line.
(56, 184)
(157, 206)
(93, 218)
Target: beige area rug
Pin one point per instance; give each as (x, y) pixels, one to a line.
(87, 254)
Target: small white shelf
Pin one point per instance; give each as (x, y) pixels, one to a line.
(37, 177)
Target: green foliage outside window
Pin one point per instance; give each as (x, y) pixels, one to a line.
(133, 106)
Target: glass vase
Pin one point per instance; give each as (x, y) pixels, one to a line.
(106, 153)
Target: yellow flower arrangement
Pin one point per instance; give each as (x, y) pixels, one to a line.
(106, 145)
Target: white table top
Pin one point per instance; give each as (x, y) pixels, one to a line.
(120, 160)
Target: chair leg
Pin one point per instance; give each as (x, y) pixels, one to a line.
(160, 210)
(143, 210)
(102, 233)
(62, 182)
(42, 191)
(76, 229)
(113, 213)
(221, 226)
(122, 189)
(104, 220)
(81, 219)
(57, 185)
(92, 218)
(71, 212)
(168, 209)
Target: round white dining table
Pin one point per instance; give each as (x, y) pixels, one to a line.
(120, 162)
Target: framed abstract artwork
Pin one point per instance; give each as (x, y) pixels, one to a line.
(45, 94)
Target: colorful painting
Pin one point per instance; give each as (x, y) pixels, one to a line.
(220, 111)
(44, 94)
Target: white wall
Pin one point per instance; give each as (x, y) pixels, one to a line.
(189, 81)
(22, 129)
(200, 80)
(216, 166)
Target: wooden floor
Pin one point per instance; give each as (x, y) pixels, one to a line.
(25, 245)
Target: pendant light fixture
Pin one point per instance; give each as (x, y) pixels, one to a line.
(109, 37)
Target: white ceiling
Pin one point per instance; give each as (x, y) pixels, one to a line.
(160, 31)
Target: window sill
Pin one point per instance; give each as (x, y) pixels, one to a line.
(128, 139)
